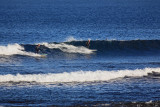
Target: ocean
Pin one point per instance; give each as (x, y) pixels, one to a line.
(120, 67)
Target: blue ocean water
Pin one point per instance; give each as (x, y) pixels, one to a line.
(121, 65)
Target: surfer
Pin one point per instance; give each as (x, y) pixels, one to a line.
(88, 43)
(37, 48)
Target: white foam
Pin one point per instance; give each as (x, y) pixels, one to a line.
(69, 48)
(79, 76)
(70, 38)
(15, 49)
(149, 102)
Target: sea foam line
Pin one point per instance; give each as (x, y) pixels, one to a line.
(79, 76)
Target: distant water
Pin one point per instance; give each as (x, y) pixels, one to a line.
(121, 67)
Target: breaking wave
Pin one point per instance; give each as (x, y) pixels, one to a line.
(15, 49)
(68, 48)
(105, 47)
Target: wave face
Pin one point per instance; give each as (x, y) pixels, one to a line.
(79, 76)
(114, 45)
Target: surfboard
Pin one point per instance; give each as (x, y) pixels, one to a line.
(93, 50)
(43, 55)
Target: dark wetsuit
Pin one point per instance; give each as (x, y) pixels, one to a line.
(88, 44)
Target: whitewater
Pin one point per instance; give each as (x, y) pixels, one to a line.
(78, 76)
(15, 49)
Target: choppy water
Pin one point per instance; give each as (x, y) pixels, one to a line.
(121, 66)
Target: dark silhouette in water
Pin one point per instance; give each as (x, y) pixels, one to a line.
(88, 43)
(37, 48)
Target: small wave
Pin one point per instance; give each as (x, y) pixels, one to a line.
(79, 76)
